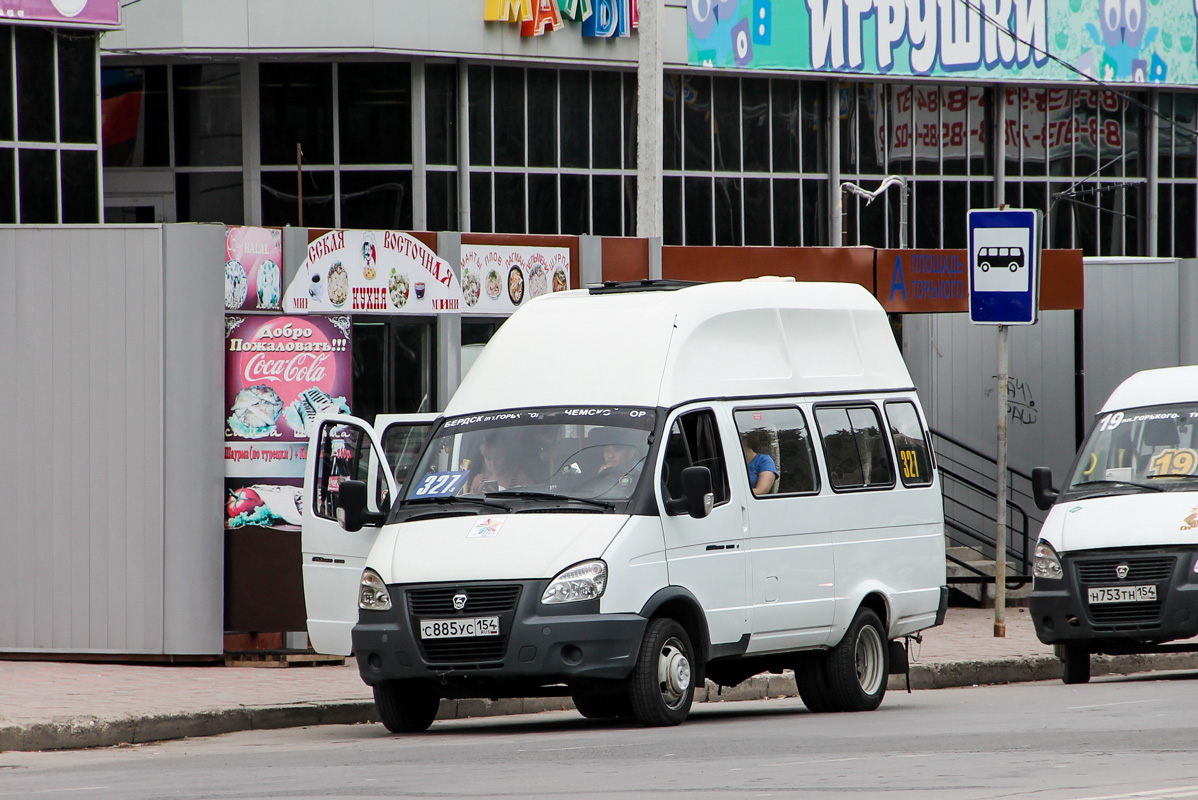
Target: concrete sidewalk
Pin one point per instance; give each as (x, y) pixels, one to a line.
(60, 705)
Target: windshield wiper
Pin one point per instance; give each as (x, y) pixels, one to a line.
(1083, 486)
(442, 514)
(444, 501)
(549, 496)
(1173, 475)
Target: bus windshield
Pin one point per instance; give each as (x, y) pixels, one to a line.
(1151, 447)
(583, 453)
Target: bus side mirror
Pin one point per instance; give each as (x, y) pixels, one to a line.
(697, 489)
(351, 507)
(1042, 489)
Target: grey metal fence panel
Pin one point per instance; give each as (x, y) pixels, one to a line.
(193, 423)
(954, 365)
(90, 535)
(1131, 321)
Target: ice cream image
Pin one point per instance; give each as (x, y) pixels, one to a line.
(256, 411)
(270, 284)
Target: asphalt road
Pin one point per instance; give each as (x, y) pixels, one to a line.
(1113, 738)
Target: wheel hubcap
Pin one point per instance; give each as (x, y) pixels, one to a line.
(673, 673)
(869, 658)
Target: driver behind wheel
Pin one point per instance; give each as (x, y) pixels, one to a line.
(622, 450)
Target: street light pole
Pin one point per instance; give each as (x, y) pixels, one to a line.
(649, 109)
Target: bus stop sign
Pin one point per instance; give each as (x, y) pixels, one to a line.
(1004, 266)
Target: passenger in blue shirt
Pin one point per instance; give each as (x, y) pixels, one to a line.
(762, 470)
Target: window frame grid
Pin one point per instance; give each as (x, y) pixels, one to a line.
(772, 177)
(16, 145)
(558, 171)
(243, 170)
(336, 167)
(1169, 185)
(1113, 225)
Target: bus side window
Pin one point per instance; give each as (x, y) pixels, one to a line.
(854, 447)
(694, 441)
(910, 444)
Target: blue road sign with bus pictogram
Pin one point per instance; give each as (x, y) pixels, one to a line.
(1004, 266)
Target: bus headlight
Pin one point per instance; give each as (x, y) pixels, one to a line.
(585, 581)
(1046, 566)
(373, 594)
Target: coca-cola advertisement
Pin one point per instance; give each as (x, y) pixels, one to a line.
(280, 374)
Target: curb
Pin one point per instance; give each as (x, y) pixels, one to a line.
(84, 732)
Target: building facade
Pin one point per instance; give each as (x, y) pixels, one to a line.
(432, 117)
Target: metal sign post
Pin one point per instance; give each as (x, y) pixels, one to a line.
(1000, 493)
(1004, 290)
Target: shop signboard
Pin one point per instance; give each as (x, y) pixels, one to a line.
(937, 281)
(88, 13)
(372, 272)
(280, 373)
(922, 281)
(599, 18)
(253, 277)
(498, 279)
(997, 40)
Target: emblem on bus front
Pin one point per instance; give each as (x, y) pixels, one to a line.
(1120, 572)
(459, 599)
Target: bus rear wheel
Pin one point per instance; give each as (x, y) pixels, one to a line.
(858, 666)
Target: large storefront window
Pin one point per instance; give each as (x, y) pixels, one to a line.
(35, 84)
(374, 113)
(441, 146)
(363, 181)
(935, 136)
(296, 110)
(136, 111)
(207, 135)
(207, 100)
(1177, 165)
(77, 87)
(356, 142)
(1077, 154)
(552, 151)
(48, 130)
(745, 161)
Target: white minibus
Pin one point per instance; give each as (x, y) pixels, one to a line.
(1116, 566)
(636, 488)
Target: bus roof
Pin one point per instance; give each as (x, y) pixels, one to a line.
(1154, 387)
(665, 348)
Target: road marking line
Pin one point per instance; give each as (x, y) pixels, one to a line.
(814, 761)
(1106, 705)
(79, 789)
(1177, 791)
